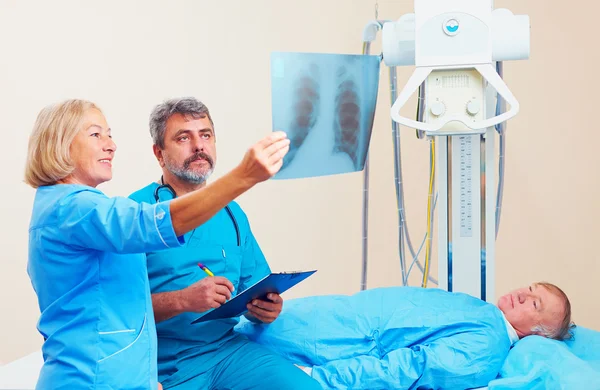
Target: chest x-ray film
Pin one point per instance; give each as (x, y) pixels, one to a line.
(326, 105)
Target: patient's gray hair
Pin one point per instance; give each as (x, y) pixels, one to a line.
(187, 106)
(564, 331)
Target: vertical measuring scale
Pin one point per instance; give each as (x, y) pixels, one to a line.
(465, 185)
(464, 219)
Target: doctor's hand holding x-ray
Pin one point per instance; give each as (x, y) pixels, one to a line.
(86, 250)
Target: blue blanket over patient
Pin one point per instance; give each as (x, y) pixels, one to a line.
(390, 338)
(407, 338)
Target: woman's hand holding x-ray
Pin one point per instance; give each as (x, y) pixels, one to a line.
(260, 163)
(264, 159)
(265, 311)
(208, 293)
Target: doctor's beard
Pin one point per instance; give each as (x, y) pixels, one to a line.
(185, 173)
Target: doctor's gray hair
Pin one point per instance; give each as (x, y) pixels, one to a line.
(564, 331)
(189, 107)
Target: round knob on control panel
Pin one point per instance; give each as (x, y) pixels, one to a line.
(473, 107)
(437, 108)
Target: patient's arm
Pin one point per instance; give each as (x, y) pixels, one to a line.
(463, 361)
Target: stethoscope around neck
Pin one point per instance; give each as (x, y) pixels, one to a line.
(167, 187)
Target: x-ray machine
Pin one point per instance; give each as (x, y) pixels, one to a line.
(457, 48)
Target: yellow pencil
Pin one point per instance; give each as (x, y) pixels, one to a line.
(205, 269)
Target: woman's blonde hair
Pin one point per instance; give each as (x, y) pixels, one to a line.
(48, 157)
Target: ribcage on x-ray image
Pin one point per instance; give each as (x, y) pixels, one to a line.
(305, 110)
(346, 124)
(325, 103)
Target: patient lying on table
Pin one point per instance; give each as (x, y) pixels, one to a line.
(408, 337)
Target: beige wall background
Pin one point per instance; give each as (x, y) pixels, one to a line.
(128, 56)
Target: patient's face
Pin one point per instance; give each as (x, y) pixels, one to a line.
(527, 307)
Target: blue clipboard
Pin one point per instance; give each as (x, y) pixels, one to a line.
(273, 283)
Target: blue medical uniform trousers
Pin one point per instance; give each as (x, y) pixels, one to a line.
(251, 366)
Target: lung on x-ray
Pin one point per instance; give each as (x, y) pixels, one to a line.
(326, 105)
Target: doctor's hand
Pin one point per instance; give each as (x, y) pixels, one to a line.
(266, 311)
(264, 159)
(208, 293)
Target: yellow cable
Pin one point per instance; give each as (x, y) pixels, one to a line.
(429, 206)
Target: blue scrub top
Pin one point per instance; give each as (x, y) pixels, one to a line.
(186, 350)
(87, 267)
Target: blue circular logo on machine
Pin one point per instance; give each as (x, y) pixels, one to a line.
(451, 26)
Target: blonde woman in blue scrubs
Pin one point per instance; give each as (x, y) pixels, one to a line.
(86, 250)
